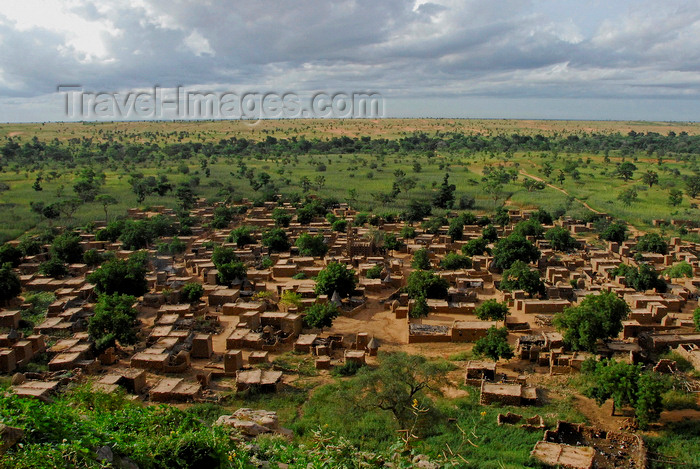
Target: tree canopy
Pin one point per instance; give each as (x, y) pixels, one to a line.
(627, 385)
(426, 284)
(320, 315)
(336, 277)
(492, 310)
(122, 276)
(276, 240)
(312, 245)
(596, 317)
(421, 259)
(494, 345)
(560, 239)
(513, 248)
(10, 285)
(399, 384)
(521, 277)
(114, 321)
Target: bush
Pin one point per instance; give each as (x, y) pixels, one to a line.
(349, 368)
(54, 268)
(276, 240)
(682, 269)
(454, 261)
(122, 276)
(492, 310)
(375, 271)
(421, 260)
(320, 315)
(11, 254)
(66, 247)
(10, 285)
(314, 246)
(191, 292)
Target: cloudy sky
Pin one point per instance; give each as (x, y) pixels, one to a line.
(591, 59)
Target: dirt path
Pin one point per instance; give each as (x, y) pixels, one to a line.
(560, 190)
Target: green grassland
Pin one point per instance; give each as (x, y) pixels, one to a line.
(369, 175)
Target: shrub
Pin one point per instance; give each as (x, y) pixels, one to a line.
(454, 261)
(191, 292)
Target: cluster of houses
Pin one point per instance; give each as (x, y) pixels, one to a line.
(235, 332)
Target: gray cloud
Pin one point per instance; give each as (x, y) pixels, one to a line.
(444, 48)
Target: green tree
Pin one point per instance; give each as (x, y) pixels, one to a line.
(628, 196)
(446, 194)
(417, 211)
(529, 228)
(421, 259)
(312, 245)
(490, 233)
(114, 321)
(596, 317)
(513, 248)
(692, 185)
(232, 271)
(476, 247)
(392, 243)
(185, 196)
(560, 239)
(521, 277)
(336, 277)
(122, 276)
(223, 255)
(191, 292)
(282, 217)
(339, 226)
(10, 285)
(320, 315)
(616, 233)
(408, 232)
(696, 319)
(626, 170)
(54, 267)
(66, 247)
(427, 284)
(650, 178)
(241, 236)
(454, 261)
(106, 200)
(456, 229)
(543, 217)
(675, 197)
(652, 242)
(627, 385)
(420, 308)
(276, 240)
(492, 310)
(400, 384)
(495, 345)
(11, 254)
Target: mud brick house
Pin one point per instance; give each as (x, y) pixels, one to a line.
(175, 390)
(470, 331)
(478, 371)
(262, 380)
(507, 394)
(608, 449)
